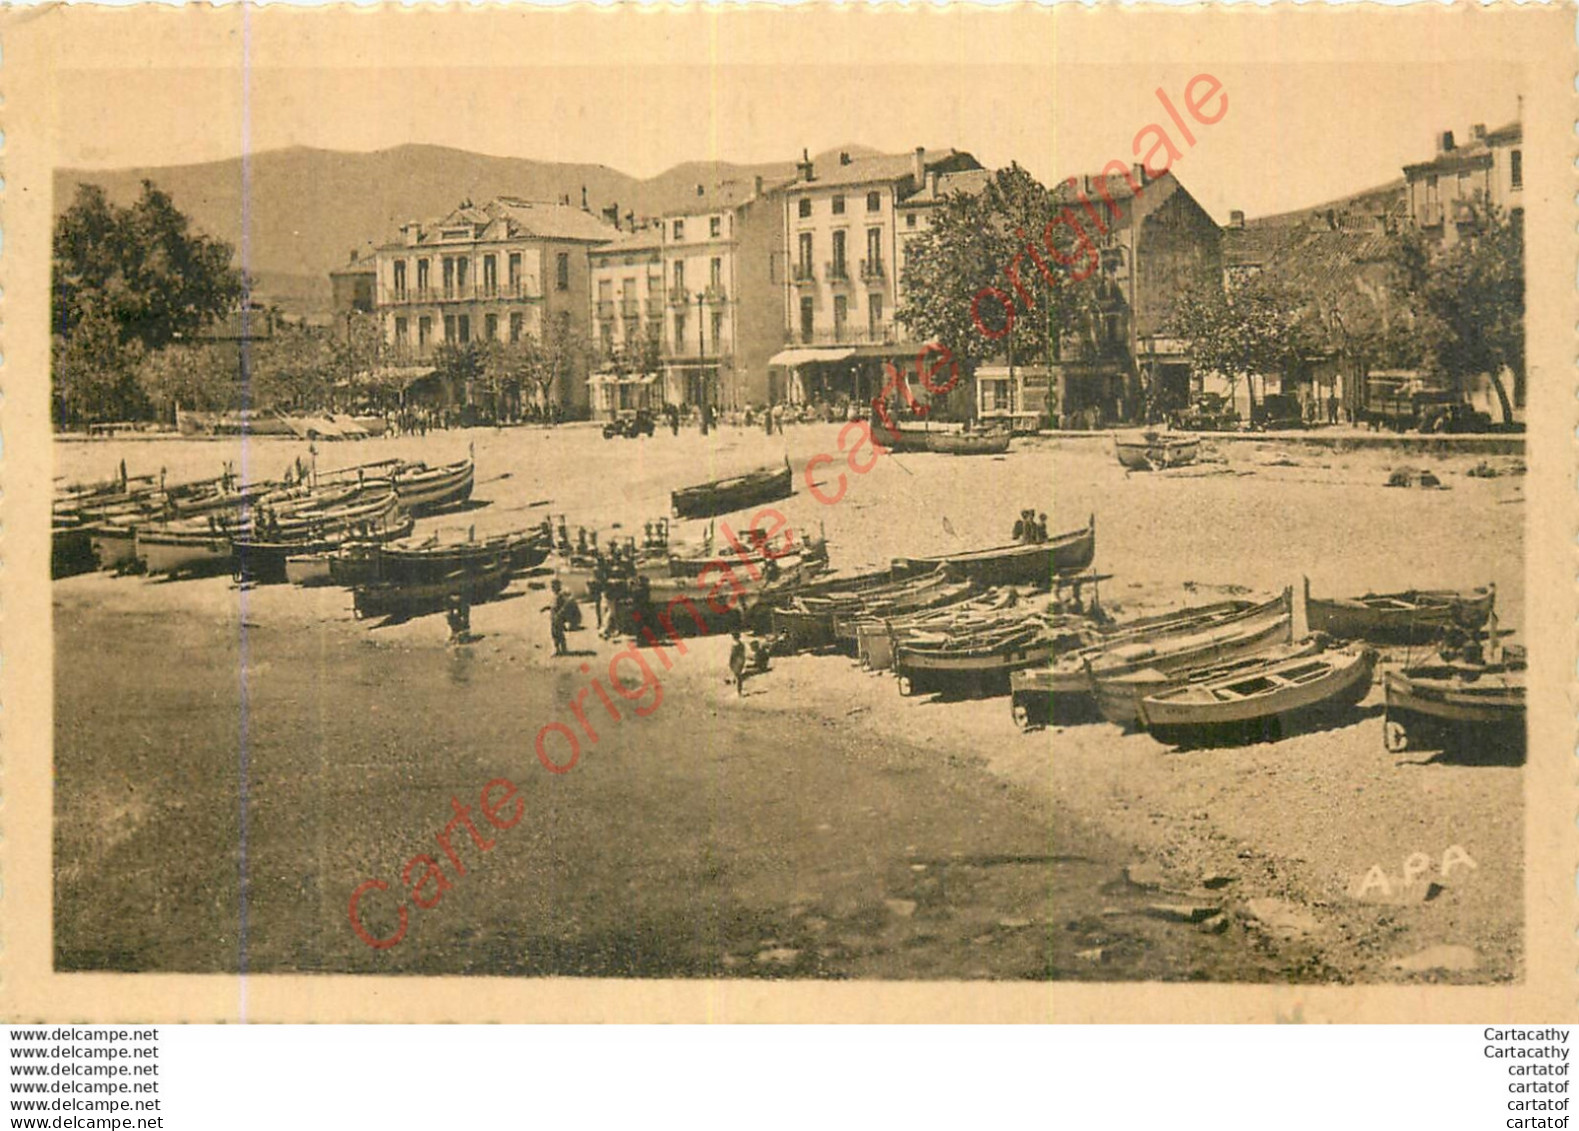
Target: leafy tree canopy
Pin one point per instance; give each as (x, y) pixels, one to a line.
(141, 267)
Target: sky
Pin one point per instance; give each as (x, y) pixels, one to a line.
(1295, 134)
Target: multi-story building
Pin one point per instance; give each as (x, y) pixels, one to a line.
(495, 272)
(701, 283)
(843, 239)
(1153, 243)
(1447, 195)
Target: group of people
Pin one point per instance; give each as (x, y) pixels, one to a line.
(1030, 527)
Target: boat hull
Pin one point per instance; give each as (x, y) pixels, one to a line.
(1021, 564)
(184, 553)
(1354, 619)
(1152, 453)
(968, 443)
(427, 491)
(474, 585)
(726, 496)
(1176, 722)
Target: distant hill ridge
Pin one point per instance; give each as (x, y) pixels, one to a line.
(308, 208)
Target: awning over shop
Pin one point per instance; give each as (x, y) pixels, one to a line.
(397, 376)
(794, 357)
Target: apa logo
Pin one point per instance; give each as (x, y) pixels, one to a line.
(1415, 880)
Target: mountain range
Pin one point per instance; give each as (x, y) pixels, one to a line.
(308, 209)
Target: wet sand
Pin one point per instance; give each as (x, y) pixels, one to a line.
(820, 826)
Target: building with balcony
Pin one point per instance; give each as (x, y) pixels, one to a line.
(699, 291)
(1447, 195)
(489, 273)
(1153, 241)
(844, 230)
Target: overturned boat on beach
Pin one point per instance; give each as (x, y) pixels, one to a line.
(725, 496)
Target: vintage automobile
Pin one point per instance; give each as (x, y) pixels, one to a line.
(1208, 412)
(630, 423)
(1276, 410)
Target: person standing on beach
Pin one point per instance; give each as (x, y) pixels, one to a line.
(737, 663)
(559, 613)
(597, 584)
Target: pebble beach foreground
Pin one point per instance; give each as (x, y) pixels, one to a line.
(818, 826)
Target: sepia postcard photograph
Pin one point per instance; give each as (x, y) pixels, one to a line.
(1047, 514)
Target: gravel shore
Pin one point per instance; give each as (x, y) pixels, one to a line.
(821, 825)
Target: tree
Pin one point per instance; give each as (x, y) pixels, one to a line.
(189, 377)
(1002, 273)
(95, 374)
(1255, 329)
(1468, 301)
(292, 369)
(561, 356)
(142, 267)
(459, 366)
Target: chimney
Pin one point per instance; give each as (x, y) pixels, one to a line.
(352, 258)
(932, 181)
(1444, 142)
(413, 232)
(1236, 220)
(630, 220)
(1479, 130)
(699, 190)
(584, 207)
(844, 157)
(803, 168)
(1137, 173)
(918, 166)
(612, 215)
(759, 184)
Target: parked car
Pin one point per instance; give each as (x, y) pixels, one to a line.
(1277, 410)
(1208, 412)
(630, 423)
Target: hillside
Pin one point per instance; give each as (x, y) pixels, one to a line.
(308, 208)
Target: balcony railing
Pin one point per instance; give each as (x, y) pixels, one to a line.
(804, 273)
(629, 307)
(715, 293)
(847, 335)
(1431, 214)
(606, 309)
(679, 296)
(479, 293)
(871, 270)
(837, 271)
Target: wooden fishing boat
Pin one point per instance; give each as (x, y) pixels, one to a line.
(1451, 701)
(875, 638)
(980, 663)
(191, 547)
(724, 496)
(893, 435)
(987, 443)
(1121, 696)
(1152, 451)
(922, 594)
(425, 490)
(1416, 616)
(1020, 563)
(1262, 702)
(263, 560)
(474, 582)
(1225, 640)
